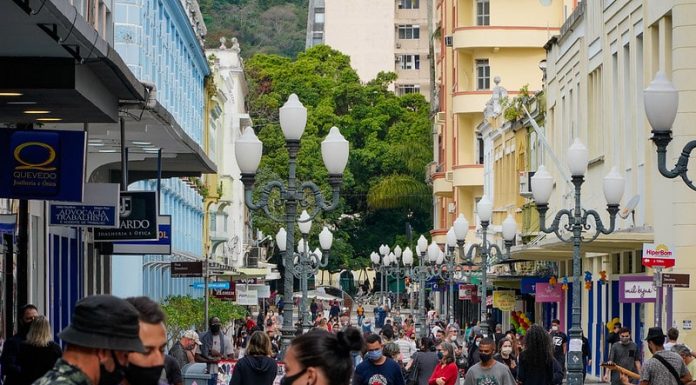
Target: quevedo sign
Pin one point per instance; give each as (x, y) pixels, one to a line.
(637, 289)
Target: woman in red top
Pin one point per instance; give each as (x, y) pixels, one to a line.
(445, 372)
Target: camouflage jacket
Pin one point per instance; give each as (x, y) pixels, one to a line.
(63, 374)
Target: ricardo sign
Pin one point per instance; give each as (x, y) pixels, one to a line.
(137, 218)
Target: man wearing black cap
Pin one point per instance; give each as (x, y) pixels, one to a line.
(664, 367)
(103, 331)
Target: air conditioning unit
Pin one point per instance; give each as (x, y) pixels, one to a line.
(449, 176)
(441, 117)
(398, 45)
(448, 41)
(526, 183)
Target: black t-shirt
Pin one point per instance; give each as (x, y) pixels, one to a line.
(172, 370)
(558, 339)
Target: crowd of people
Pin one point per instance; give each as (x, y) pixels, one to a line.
(123, 341)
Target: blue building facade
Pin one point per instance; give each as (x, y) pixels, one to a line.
(161, 42)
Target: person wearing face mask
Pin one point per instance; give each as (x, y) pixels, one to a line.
(322, 358)
(8, 359)
(376, 367)
(625, 354)
(446, 372)
(145, 368)
(560, 342)
(488, 371)
(215, 346)
(103, 331)
(183, 349)
(506, 356)
(473, 356)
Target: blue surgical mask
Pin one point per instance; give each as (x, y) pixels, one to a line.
(374, 355)
(440, 355)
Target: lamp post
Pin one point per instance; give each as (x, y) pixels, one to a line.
(420, 273)
(485, 248)
(334, 150)
(306, 263)
(392, 268)
(661, 100)
(577, 217)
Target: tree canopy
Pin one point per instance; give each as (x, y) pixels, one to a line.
(390, 145)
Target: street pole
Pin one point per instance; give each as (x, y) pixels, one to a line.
(450, 273)
(420, 322)
(484, 278)
(657, 275)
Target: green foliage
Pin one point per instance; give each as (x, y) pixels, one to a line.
(390, 147)
(267, 26)
(185, 312)
(512, 109)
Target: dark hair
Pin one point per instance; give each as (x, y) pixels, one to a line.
(538, 353)
(557, 322)
(659, 341)
(329, 352)
(617, 325)
(26, 307)
(388, 332)
(673, 333)
(148, 310)
(426, 344)
(259, 344)
(625, 330)
(372, 338)
(487, 341)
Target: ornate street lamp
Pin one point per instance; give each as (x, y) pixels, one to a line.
(485, 248)
(661, 100)
(334, 151)
(577, 217)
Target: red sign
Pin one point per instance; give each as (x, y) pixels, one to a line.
(658, 255)
(228, 294)
(547, 293)
(467, 292)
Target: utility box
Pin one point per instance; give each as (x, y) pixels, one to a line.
(196, 374)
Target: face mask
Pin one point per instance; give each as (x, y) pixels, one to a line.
(484, 357)
(453, 338)
(478, 342)
(288, 380)
(554, 328)
(626, 340)
(215, 328)
(111, 378)
(374, 355)
(440, 355)
(506, 350)
(138, 375)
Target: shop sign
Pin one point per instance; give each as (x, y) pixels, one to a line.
(504, 299)
(215, 285)
(42, 164)
(658, 255)
(186, 269)
(161, 246)
(247, 297)
(547, 293)
(226, 294)
(528, 285)
(137, 218)
(263, 291)
(467, 292)
(675, 280)
(99, 208)
(637, 289)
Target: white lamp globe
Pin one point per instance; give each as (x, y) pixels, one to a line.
(293, 118)
(440, 258)
(282, 239)
(248, 150)
(397, 251)
(614, 185)
(509, 228)
(542, 185)
(461, 227)
(485, 209)
(374, 257)
(325, 238)
(301, 246)
(422, 244)
(318, 254)
(433, 251)
(304, 223)
(578, 156)
(451, 238)
(408, 256)
(661, 100)
(334, 151)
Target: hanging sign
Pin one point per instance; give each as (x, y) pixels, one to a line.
(263, 291)
(504, 299)
(547, 293)
(137, 218)
(658, 255)
(99, 208)
(247, 297)
(186, 269)
(161, 246)
(215, 285)
(467, 292)
(637, 289)
(226, 294)
(42, 164)
(675, 280)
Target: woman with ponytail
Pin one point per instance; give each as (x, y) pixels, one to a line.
(322, 358)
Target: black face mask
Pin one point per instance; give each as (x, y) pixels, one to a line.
(111, 378)
(288, 380)
(138, 375)
(215, 329)
(23, 328)
(484, 357)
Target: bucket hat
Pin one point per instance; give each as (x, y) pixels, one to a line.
(104, 322)
(654, 332)
(192, 335)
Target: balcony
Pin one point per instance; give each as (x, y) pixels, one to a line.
(466, 38)
(442, 184)
(467, 175)
(468, 102)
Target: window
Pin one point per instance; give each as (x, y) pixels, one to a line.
(317, 37)
(408, 4)
(483, 12)
(403, 89)
(410, 62)
(319, 16)
(409, 32)
(483, 74)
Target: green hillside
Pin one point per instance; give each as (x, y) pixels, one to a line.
(267, 26)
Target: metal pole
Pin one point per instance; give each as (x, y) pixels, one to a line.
(305, 271)
(669, 306)
(450, 310)
(420, 321)
(398, 278)
(575, 364)
(658, 301)
(484, 278)
(205, 289)
(288, 331)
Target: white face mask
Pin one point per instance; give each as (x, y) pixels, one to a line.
(554, 328)
(506, 350)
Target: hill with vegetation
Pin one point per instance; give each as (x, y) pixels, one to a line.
(263, 26)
